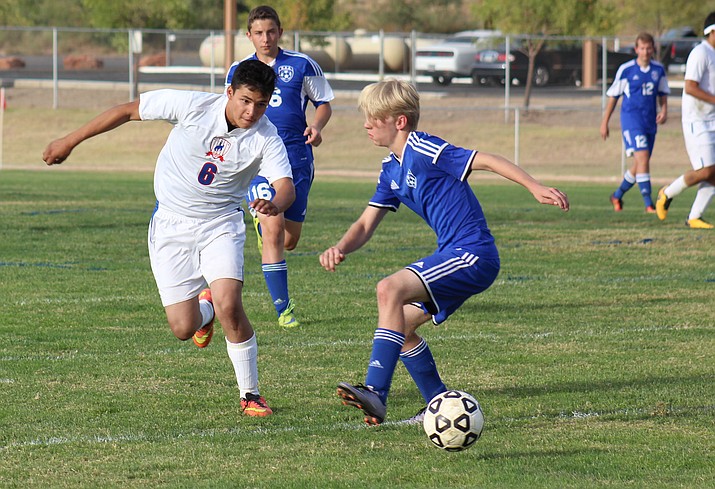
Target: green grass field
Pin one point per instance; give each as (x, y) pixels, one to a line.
(593, 355)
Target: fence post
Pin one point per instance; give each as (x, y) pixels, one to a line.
(604, 73)
(507, 80)
(55, 62)
(413, 54)
(3, 84)
(381, 57)
(135, 47)
(213, 61)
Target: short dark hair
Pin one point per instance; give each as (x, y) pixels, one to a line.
(255, 75)
(645, 38)
(709, 20)
(263, 12)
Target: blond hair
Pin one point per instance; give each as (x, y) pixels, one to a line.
(391, 98)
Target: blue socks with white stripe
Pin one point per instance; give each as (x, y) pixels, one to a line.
(628, 181)
(386, 346)
(276, 275)
(418, 361)
(420, 364)
(644, 186)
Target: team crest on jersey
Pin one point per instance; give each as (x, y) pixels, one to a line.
(285, 73)
(654, 75)
(411, 179)
(219, 147)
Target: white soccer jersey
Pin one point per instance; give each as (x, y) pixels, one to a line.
(203, 170)
(700, 67)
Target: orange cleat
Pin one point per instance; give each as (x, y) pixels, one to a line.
(617, 203)
(255, 405)
(202, 336)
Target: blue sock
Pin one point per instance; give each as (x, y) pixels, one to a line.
(628, 181)
(420, 364)
(276, 275)
(643, 180)
(386, 346)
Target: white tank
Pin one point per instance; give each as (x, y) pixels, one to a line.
(366, 53)
(327, 54)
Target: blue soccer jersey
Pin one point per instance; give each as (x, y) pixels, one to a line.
(641, 88)
(299, 80)
(431, 179)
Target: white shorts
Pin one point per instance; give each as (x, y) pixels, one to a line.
(187, 253)
(700, 143)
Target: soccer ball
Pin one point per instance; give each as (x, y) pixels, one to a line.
(453, 420)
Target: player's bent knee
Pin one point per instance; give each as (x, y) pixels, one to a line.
(291, 243)
(182, 330)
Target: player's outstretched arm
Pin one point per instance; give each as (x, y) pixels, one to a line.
(58, 150)
(285, 195)
(501, 166)
(357, 235)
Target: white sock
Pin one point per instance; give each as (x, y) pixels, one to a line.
(676, 187)
(702, 199)
(207, 312)
(244, 357)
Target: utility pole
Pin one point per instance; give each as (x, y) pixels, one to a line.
(229, 27)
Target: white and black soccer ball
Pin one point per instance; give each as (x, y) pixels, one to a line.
(453, 420)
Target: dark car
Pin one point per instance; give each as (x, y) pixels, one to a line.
(675, 46)
(556, 62)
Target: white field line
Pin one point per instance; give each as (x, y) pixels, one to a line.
(435, 335)
(337, 427)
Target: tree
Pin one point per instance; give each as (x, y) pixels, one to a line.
(444, 16)
(305, 15)
(148, 14)
(657, 16)
(538, 18)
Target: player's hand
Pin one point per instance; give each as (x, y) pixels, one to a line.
(313, 135)
(57, 151)
(331, 258)
(551, 196)
(265, 207)
(661, 117)
(604, 131)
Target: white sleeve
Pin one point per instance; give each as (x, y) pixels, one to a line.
(168, 105)
(663, 87)
(318, 89)
(619, 84)
(696, 64)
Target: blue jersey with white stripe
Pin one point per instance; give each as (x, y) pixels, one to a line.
(641, 88)
(431, 179)
(299, 80)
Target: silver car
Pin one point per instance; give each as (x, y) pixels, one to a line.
(454, 57)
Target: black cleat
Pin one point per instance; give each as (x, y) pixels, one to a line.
(364, 398)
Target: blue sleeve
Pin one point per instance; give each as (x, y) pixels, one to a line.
(456, 161)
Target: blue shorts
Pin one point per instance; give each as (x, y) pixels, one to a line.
(302, 180)
(451, 277)
(638, 140)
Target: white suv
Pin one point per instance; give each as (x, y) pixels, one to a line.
(453, 57)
